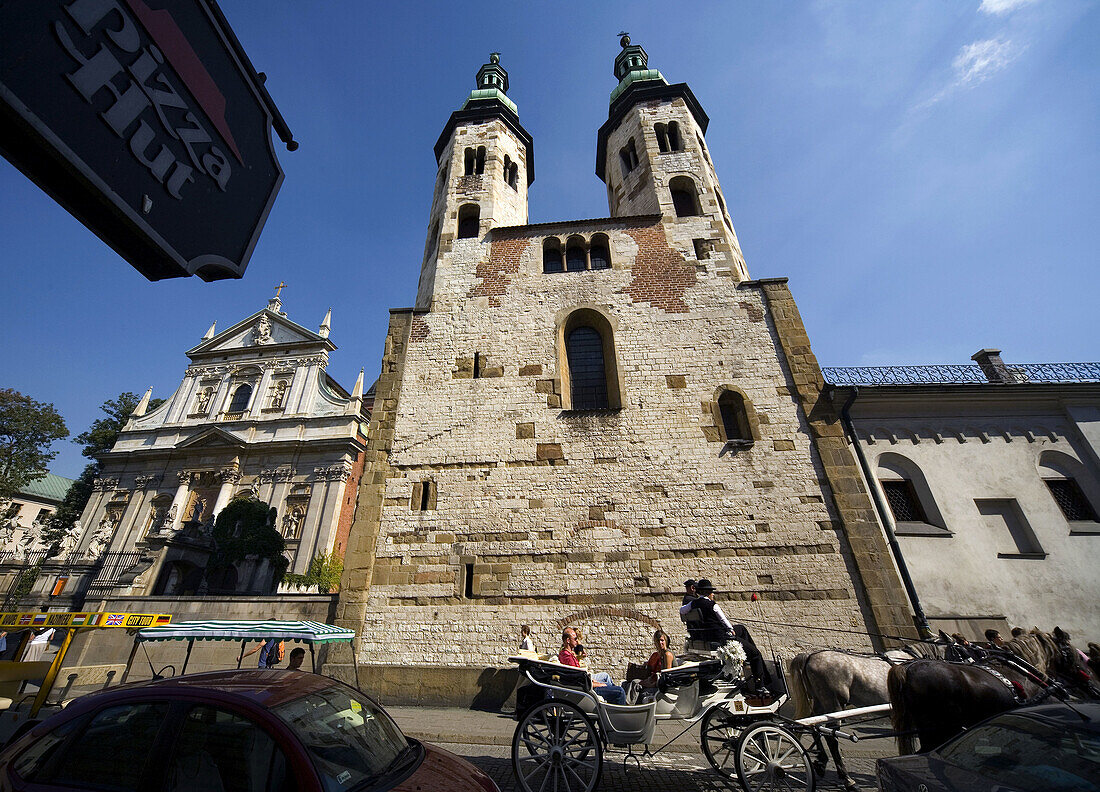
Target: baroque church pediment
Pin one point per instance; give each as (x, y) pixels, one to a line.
(213, 437)
(264, 328)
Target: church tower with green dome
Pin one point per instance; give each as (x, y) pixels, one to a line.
(652, 155)
(485, 161)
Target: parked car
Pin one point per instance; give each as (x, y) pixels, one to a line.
(231, 731)
(1048, 748)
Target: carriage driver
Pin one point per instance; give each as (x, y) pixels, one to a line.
(717, 625)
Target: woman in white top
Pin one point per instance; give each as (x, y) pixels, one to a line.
(526, 644)
(37, 647)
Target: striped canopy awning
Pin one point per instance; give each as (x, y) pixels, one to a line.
(226, 630)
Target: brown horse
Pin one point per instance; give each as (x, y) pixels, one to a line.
(939, 699)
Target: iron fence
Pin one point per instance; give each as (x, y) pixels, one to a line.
(114, 567)
(962, 374)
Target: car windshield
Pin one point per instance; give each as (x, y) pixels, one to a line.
(1023, 752)
(352, 740)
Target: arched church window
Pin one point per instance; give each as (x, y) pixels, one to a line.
(1067, 479)
(479, 166)
(587, 373)
(469, 218)
(628, 155)
(551, 256)
(599, 253)
(241, 398)
(511, 173)
(471, 158)
(735, 419)
(576, 260)
(685, 200)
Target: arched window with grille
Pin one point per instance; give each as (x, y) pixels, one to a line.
(241, 397)
(589, 367)
(685, 199)
(599, 253)
(587, 373)
(469, 219)
(910, 499)
(551, 256)
(576, 258)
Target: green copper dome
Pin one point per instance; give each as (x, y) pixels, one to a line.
(632, 66)
(492, 84)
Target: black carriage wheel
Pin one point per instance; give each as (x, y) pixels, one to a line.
(771, 757)
(556, 747)
(718, 736)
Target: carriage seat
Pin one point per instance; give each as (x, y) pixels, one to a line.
(688, 674)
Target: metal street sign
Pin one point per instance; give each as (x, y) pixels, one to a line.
(145, 119)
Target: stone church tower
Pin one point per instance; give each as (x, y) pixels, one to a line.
(578, 415)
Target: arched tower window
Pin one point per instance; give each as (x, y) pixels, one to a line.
(628, 155)
(599, 253)
(469, 219)
(661, 131)
(675, 142)
(576, 260)
(471, 158)
(511, 173)
(241, 397)
(479, 165)
(735, 419)
(589, 367)
(587, 373)
(685, 200)
(551, 256)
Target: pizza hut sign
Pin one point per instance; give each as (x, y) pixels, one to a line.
(144, 119)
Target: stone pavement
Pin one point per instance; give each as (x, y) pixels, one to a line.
(485, 739)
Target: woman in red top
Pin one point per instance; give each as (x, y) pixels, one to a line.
(661, 659)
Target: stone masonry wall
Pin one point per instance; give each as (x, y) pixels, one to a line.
(548, 517)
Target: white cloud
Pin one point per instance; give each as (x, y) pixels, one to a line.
(1002, 7)
(978, 61)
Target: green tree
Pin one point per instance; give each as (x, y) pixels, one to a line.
(98, 439)
(324, 572)
(246, 527)
(27, 429)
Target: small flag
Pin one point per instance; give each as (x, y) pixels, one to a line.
(79, 619)
(39, 619)
(114, 619)
(164, 619)
(25, 619)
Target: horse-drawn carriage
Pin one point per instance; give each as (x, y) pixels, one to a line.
(561, 739)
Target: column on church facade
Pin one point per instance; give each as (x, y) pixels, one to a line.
(184, 399)
(179, 502)
(294, 393)
(229, 477)
(307, 547)
(218, 403)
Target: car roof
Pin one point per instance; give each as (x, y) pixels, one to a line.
(266, 688)
(1061, 715)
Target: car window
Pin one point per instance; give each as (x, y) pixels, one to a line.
(30, 763)
(1023, 752)
(219, 751)
(351, 740)
(110, 753)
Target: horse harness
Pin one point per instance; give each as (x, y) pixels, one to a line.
(1017, 690)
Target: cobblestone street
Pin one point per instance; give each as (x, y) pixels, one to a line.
(663, 773)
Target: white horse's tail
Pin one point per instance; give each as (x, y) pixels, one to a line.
(796, 686)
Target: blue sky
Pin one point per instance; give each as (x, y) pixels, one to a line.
(927, 174)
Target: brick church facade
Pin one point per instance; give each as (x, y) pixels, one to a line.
(576, 416)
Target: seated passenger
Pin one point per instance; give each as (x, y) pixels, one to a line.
(601, 683)
(716, 627)
(642, 690)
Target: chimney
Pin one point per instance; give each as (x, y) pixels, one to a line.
(995, 370)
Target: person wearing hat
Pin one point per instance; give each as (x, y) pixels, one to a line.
(716, 624)
(689, 595)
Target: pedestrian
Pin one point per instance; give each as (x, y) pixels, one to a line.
(297, 657)
(271, 653)
(526, 644)
(993, 637)
(37, 647)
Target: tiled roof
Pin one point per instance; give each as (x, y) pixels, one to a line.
(50, 487)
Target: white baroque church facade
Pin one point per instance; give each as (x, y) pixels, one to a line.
(256, 415)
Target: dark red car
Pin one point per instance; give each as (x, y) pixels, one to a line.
(231, 731)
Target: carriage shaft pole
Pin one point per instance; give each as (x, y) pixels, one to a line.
(842, 715)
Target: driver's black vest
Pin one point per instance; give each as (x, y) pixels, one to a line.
(711, 624)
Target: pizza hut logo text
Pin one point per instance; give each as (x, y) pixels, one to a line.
(137, 90)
